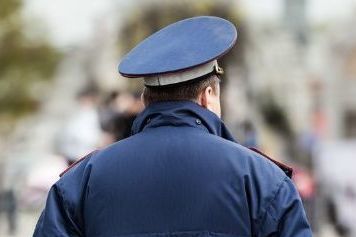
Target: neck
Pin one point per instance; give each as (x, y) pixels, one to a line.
(180, 113)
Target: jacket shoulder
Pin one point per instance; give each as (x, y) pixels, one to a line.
(86, 157)
(285, 168)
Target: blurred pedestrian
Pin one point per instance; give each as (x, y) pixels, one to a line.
(8, 205)
(81, 132)
(249, 134)
(117, 116)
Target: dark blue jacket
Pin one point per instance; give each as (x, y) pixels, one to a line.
(177, 176)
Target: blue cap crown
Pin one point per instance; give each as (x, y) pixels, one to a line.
(179, 47)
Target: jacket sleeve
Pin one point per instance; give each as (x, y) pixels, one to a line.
(55, 219)
(62, 215)
(285, 215)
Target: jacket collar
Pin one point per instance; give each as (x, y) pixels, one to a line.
(180, 113)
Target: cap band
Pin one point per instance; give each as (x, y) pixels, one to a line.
(187, 75)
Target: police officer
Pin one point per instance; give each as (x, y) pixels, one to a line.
(181, 173)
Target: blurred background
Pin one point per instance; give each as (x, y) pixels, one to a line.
(289, 89)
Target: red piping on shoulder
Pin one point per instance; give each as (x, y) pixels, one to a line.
(76, 162)
(287, 169)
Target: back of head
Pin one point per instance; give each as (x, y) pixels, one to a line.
(190, 90)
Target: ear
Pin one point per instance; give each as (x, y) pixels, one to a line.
(143, 100)
(205, 97)
(210, 100)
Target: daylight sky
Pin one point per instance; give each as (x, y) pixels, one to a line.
(71, 22)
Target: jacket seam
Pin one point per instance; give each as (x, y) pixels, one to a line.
(268, 206)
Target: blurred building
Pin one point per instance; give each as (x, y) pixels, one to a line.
(307, 68)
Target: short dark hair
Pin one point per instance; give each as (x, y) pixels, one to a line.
(183, 91)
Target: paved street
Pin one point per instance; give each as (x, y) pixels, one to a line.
(26, 224)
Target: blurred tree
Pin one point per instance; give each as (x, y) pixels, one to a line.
(158, 14)
(23, 62)
(276, 118)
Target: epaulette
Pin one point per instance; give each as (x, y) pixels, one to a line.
(76, 162)
(286, 169)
